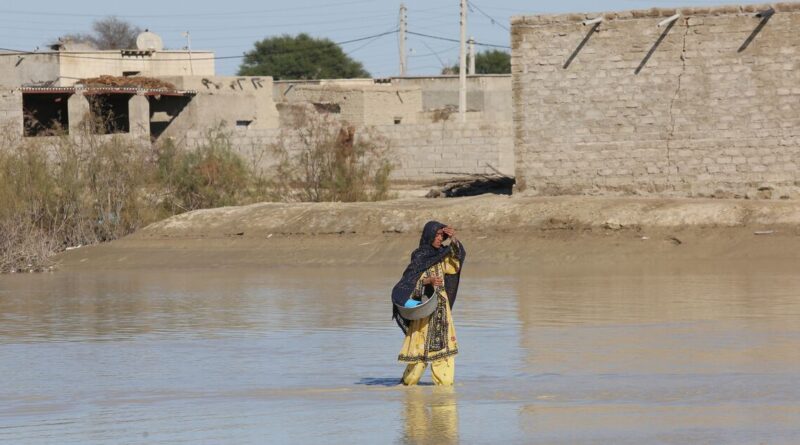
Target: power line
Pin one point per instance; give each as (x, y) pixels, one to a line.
(519, 11)
(444, 65)
(205, 38)
(494, 22)
(372, 40)
(76, 55)
(455, 40)
(433, 53)
(271, 25)
(206, 14)
(213, 29)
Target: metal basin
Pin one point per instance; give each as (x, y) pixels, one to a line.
(424, 309)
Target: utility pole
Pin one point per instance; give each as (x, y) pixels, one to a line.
(462, 65)
(403, 60)
(189, 48)
(471, 43)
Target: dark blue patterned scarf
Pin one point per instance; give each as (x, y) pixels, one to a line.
(424, 257)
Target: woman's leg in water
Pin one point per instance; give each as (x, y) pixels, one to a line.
(413, 373)
(444, 371)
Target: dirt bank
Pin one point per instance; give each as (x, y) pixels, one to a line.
(525, 230)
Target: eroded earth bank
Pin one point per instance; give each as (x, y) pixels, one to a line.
(497, 230)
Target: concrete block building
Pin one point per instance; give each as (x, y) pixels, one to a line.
(689, 102)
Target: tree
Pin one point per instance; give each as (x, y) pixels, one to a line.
(108, 33)
(487, 62)
(300, 57)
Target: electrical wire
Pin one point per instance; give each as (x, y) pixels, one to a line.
(77, 55)
(203, 38)
(455, 40)
(492, 19)
(372, 40)
(433, 53)
(276, 25)
(207, 14)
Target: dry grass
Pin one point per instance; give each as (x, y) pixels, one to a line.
(209, 175)
(324, 160)
(24, 247)
(58, 192)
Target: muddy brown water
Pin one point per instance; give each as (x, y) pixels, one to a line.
(644, 353)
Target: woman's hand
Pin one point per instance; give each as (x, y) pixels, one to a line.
(435, 281)
(449, 231)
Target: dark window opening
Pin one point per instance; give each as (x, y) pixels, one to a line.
(327, 107)
(163, 111)
(109, 113)
(45, 114)
(130, 73)
(397, 120)
(243, 123)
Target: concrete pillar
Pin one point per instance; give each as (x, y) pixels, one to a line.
(139, 115)
(77, 112)
(11, 112)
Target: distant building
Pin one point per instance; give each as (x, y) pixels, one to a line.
(42, 93)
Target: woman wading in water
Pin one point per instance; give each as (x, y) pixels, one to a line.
(434, 272)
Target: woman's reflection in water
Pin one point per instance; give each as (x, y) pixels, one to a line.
(431, 415)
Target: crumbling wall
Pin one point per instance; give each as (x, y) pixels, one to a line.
(392, 107)
(349, 103)
(361, 104)
(489, 94)
(706, 106)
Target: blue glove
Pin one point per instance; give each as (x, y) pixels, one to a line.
(411, 303)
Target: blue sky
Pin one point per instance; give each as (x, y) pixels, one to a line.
(230, 28)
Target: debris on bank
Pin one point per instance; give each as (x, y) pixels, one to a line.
(127, 82)
(472, 185)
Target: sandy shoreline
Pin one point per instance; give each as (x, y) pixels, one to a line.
(497, 229)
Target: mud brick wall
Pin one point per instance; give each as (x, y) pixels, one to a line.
(707, 106)
(420, 152)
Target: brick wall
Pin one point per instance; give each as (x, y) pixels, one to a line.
(707, 106)
(436, 150)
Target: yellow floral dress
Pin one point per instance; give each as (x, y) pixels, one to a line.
(432, 339)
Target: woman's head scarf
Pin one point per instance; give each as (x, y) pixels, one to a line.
(424, 257)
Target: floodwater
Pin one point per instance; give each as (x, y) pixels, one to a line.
(700, 353)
